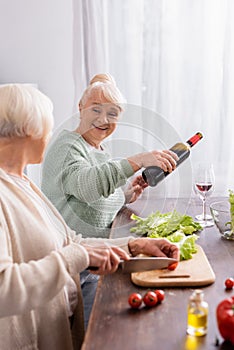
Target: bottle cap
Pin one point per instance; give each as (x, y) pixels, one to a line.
(194, 139)
(197, 295)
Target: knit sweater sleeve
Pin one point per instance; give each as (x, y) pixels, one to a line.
(121, 242)
(88, 182)
(27, 285)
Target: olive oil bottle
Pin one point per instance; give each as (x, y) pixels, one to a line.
(197, 314)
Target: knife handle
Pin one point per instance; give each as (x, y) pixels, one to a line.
(92, 268)
(95, 268)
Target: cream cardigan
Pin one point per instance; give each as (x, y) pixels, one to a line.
(33, 273)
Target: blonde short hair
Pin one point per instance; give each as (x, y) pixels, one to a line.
(104, 88)
(24, 111)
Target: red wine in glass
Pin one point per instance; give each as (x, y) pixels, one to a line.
(204, 189)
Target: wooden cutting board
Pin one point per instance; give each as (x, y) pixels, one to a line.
(193, 272)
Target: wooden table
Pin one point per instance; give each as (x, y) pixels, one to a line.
(114, 326)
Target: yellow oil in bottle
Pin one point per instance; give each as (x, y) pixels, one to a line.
(197, 314)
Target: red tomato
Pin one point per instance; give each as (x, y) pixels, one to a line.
(160, 295)
(173, 266)
(229, 283)
(150, 299)
(225, 319)
(135, 300)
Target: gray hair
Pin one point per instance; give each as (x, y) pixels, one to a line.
(104, 87)
(24, 111)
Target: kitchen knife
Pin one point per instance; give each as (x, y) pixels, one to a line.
(138, 264)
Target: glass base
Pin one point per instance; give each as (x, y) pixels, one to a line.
(202, 218)
(228, 235)
(198, 332)
(206, 223)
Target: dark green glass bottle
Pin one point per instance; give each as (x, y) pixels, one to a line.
(153, 174)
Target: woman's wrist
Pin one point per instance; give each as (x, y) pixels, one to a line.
(136, 162)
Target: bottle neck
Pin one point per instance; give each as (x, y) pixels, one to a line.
(197, 296)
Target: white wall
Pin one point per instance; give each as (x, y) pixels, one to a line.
(36, 46)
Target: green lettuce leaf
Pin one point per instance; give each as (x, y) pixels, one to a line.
(177, 228)
(187, 247)
(231, 201)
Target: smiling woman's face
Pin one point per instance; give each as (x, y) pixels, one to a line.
(98, 119)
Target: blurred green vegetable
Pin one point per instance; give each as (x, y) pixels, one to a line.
(177, 228)
(231, 201)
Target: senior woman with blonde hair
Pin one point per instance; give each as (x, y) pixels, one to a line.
(40, 256)
(82, 180)
(79, 176)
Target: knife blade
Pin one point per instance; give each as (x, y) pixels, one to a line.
(138, 264)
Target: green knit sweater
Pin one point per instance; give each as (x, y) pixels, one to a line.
(84, 184)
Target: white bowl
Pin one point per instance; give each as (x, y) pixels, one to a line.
(220, 212)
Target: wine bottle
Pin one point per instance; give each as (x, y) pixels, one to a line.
(153, 174)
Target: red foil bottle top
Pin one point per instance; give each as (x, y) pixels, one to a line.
(194, 139)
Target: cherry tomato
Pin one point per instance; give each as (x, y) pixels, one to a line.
(229, 283)
(150, 299)
(173, 266)
(160, 295)
(135, 300)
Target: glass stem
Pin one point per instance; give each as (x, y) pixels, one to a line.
(204, 208)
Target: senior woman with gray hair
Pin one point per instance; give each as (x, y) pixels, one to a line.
(79, 176)
(40, 256)
(81, 179)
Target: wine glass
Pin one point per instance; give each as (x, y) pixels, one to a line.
(203, 186)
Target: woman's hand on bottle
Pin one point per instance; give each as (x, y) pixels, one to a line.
(104, 259)
(166, 160)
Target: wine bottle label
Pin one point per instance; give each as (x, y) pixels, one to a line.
(182, 150)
